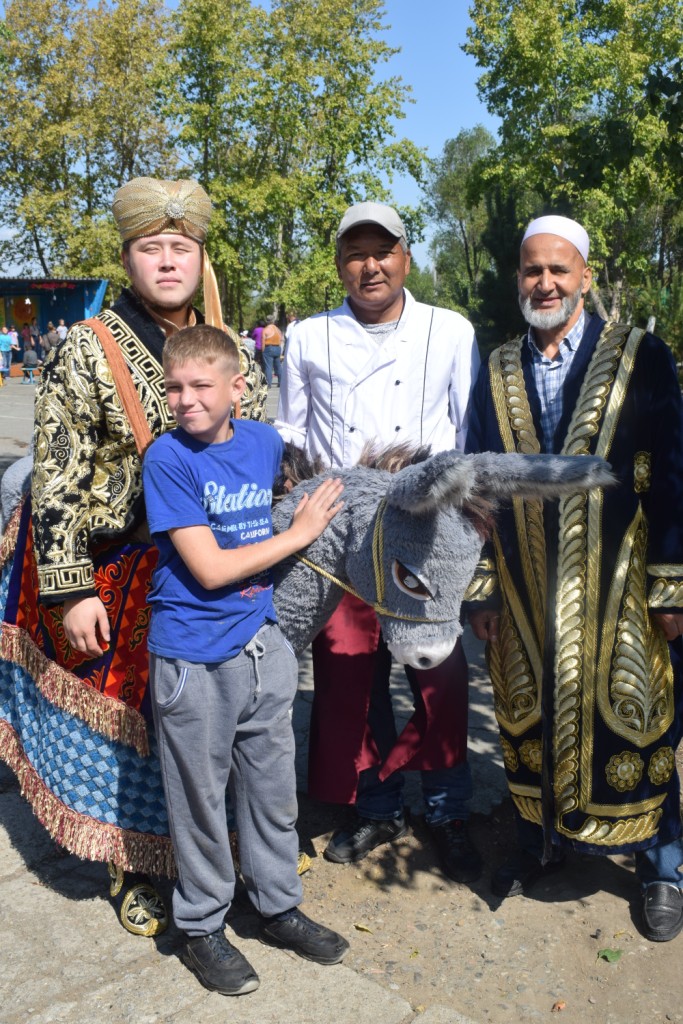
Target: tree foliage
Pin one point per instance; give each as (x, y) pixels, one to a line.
(78, 112)
(460, 257)
(282, 113)
(284, 119)
(569, 80)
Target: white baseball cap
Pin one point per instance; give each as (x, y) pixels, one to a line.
(379, 214)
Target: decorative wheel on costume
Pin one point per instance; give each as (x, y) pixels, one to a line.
(303, 864)
(140, 908)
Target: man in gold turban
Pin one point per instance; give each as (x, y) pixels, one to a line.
(80, 733)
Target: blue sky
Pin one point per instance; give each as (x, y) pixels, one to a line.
(443, 79)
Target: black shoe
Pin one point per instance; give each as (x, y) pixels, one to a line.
(662, 911)
(219, 966)
(460, 860)
(519, 873)
(306, 938)
(347, 847)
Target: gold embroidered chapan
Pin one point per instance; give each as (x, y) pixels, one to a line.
(583, 681)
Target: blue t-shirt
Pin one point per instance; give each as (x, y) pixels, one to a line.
(227, 486)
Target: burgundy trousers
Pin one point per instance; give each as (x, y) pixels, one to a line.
(348, 658)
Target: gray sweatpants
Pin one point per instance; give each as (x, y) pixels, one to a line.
(229, 724)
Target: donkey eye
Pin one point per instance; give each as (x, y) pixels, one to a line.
(407, 580)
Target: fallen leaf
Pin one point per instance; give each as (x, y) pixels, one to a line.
(363, 928)
(414, 953)
(559, 1005)
(611, 955)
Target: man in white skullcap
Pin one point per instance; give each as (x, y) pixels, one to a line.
(581, 603)
(385, 369)
(79, 722)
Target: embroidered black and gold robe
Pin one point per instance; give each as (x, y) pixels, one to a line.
(587, 698)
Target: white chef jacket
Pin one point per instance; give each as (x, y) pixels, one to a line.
(342, 388)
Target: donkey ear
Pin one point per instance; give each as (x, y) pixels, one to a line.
(501, 476)
(447, 478)
(450, 478)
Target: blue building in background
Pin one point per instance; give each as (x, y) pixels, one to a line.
(45, 298)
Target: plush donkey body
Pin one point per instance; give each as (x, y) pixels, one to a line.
(407, 543)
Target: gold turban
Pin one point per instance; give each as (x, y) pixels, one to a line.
(149, 206)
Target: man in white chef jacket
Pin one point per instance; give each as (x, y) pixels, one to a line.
(382, 368)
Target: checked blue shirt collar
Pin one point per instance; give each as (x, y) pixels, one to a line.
(550, 375)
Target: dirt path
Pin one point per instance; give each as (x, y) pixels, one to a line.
(432, 941)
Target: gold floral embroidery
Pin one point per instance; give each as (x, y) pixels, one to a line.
(596, 412)
(529, 808)
(641, 472)
(665, 569)
(641, 684)
(624, 771)
(661, 766)
(515, 692)
(510, 759)
(666, 594)
(518, 433)
(531, 755)
(600, 832)
(484, 583)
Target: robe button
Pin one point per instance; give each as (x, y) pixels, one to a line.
(397, 382)
(398, 428)
(351, 430)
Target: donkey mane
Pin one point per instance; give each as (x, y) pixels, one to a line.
(393, 457)
(297, 466)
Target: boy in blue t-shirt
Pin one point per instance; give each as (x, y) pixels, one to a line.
(222, 676)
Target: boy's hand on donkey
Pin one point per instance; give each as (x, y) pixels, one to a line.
(316, 510)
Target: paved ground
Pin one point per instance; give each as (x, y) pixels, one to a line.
(16, 420)
(421, 949)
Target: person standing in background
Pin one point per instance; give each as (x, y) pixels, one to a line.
(271, 345)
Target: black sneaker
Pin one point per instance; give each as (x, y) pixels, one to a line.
(306, 938)
(460, 859)
(519, 873)
(662, 911)
(347, 847)
(219, 966)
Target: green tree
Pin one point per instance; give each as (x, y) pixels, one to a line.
(421, 284)
(460, 257)
(283, 117)
(568, 80)
(78, 109)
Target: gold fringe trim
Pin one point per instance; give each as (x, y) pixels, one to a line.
(83, 836)
(8, 543)
(111, 718)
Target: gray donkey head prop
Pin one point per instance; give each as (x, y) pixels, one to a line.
(407, 543)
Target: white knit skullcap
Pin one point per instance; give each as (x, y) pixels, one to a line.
(566, 228)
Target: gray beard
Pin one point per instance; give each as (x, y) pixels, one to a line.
(548, 321)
